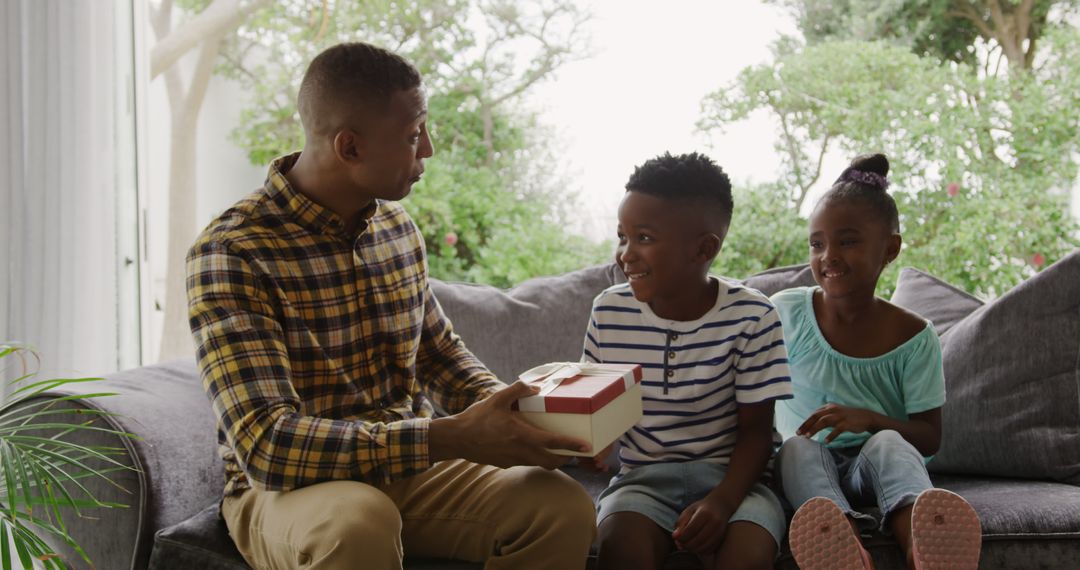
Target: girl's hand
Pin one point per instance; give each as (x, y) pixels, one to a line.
(701, 527)
(840, 418)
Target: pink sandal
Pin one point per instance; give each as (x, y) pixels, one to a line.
(821, 538)
(945, 532)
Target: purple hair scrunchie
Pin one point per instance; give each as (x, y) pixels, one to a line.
(869, 178)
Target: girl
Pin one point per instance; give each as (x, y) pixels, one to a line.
(868, 385)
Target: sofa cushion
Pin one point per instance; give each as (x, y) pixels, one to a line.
(777, 279)
(541, 320)
(201, 541)
(933, 299)
(490, 321)
(1012, 372)
(1016, 508)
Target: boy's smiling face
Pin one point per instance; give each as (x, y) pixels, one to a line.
(665, 249)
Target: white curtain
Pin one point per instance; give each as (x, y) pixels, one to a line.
(58, 173)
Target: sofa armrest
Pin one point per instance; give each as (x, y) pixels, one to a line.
(178, 472)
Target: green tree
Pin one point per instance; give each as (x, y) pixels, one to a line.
(982, 165)
(489, 206)
(766, 231)
(946, 29)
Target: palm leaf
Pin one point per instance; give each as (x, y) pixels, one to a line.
(41, 470)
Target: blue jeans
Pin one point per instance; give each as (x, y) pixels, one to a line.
(886, 472)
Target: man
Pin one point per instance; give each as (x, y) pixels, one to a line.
(320, 344)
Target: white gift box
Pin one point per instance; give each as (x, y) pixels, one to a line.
(593, 402)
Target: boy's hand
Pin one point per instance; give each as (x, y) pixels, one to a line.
(840, 418)
(490, 433)
(701, 527)
(598, 463)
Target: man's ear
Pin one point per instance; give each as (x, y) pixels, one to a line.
(708, 247)
(349, 146)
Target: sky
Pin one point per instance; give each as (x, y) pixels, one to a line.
(640, 95)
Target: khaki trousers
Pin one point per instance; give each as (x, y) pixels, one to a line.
(517, 518)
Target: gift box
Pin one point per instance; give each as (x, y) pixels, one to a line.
(593, 402)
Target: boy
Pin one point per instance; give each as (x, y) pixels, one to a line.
(713, 358)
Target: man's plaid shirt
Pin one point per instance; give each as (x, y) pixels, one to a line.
(319, 348)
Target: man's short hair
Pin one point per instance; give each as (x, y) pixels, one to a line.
(346, 79)
(690, 177)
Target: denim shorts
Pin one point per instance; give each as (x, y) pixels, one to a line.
(663, 490)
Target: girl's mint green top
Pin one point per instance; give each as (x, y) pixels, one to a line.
(906, 380)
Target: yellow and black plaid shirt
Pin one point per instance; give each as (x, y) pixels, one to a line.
(320, 348)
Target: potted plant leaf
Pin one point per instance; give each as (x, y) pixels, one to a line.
(43, 468)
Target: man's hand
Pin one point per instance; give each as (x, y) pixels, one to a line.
(599, 462)
(840, 418)
(490, 433)
(701, 527)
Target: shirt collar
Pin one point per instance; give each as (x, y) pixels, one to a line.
(304, 210)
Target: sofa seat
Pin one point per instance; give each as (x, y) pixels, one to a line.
(1026, 524)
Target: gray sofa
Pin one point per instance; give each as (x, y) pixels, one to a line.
(1012, 441)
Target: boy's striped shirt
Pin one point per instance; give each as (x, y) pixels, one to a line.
(695, 373)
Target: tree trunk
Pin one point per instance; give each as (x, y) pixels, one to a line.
(175, 335)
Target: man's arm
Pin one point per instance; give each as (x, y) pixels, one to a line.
(247, 375)
(484, 428)
(448, 371)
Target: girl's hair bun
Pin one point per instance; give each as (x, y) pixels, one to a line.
(876, 163)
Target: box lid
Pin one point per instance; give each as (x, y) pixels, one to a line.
(576, 387)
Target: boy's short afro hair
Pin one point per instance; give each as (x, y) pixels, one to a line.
(686, 177)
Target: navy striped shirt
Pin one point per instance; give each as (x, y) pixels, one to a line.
(695, 373)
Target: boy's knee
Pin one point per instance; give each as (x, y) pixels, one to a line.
(630, 540)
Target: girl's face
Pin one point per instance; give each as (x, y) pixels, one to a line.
(849, 247)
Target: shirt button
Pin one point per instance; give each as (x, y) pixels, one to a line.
(670, 373)
(674, 336)
(671, 355)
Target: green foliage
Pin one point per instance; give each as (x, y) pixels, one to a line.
(491, 183)
(766, 231)
(944, 29)
(1008, 143)
(501, 235)
(43, 473)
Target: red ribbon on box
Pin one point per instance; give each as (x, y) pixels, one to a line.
(577, 388)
